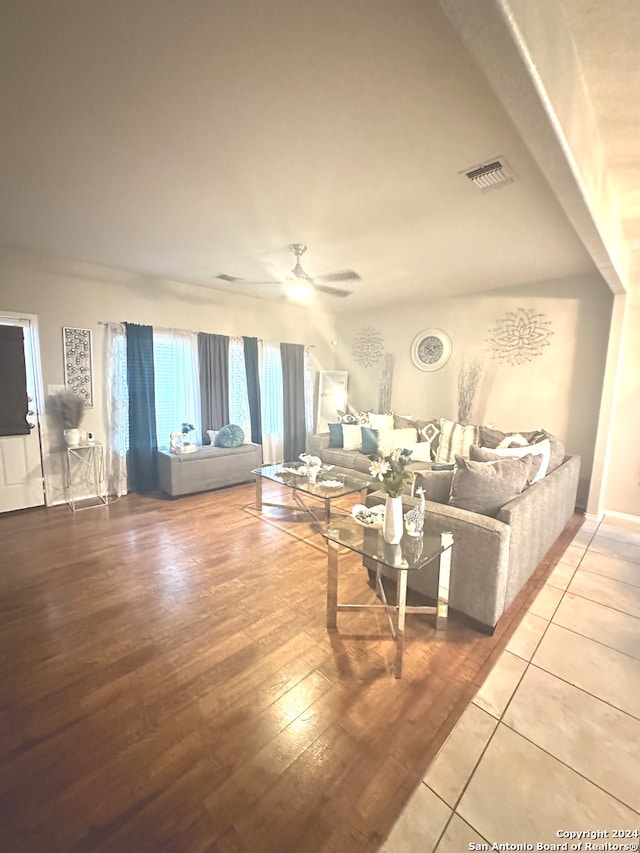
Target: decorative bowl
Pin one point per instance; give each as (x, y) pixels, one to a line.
(368, 516)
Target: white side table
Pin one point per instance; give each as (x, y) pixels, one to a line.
(86, 480)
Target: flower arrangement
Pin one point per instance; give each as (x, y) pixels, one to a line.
(390, 470)
(185, 429)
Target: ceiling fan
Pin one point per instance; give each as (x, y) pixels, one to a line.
(298, 275)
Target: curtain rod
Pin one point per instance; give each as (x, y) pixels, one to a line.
(188, 331)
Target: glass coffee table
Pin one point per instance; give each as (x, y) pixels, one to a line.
(412, 554)
(329, 485)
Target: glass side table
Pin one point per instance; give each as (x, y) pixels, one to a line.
(411, 555)
(86, 480)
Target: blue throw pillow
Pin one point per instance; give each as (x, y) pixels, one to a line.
(230, 435)
(335, 435)
(369, 440)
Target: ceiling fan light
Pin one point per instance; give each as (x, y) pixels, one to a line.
(299, 289)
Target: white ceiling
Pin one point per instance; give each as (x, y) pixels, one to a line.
(187, 139)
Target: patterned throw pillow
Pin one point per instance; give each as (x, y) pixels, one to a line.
(361, 418)
(455, 439)
(428, 431)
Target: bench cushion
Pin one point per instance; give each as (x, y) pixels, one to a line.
(208, 468)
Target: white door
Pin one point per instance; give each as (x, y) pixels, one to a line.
(21, 482)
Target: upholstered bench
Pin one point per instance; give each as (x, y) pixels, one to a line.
(208, 468)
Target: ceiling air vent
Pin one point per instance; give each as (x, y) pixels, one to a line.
(226, 277)
(490, 176)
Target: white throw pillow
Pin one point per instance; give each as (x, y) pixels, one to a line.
(351, 436)
(390, 439)
(381, 421)
(542, 448)
(420, 452)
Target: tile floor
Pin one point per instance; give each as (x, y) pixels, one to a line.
(551, 742)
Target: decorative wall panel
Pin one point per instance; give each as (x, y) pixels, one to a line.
(78, 367)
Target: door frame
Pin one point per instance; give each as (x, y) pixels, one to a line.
(36, 367)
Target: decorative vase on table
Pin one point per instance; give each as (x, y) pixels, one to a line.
(390, 471)
(72, 437)
(393, 520)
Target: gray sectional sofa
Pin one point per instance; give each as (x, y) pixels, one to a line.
(493, 556)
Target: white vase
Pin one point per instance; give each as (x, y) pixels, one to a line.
(72, 437)
(393, 520)
(312, 475)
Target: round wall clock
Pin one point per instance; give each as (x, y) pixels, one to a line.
(431, 349)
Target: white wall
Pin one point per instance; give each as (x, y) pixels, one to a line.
(63, 292)
(621, 489)
(559, 390)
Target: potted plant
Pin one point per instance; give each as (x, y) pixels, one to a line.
(70, 409)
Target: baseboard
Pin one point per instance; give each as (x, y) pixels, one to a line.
(622, 516)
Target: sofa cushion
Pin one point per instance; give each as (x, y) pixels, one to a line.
(369, 440)
(485, 487)
(455, 438)
(381, 421)
(361, 418)
(230, 435)
(420, 452)
(351, 436)
(489, 437)
(335, 435)
(540, 456)
(436, 485)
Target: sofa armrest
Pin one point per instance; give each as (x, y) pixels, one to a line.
(479, 559)
(316, 442)
(537, 517)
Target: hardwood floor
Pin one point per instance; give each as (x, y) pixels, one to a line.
(168, 684)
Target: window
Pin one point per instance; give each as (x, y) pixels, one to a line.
(271, 400)
(177, 384)
(238, 394)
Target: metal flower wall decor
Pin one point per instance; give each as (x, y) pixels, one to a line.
(520, 336)
(77, 363)
(368, 347)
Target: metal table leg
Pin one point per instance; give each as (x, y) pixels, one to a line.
(332, 585)
(401, 604)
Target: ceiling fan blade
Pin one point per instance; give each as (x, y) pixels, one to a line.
(344, 275)
(334, 291)
(231, 279)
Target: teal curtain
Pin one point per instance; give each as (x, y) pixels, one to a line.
(293, 400)
(141, 462)
(251, 363)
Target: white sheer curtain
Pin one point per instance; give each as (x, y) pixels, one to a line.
(308, 390)
(271, 402)
(177, 383)
(238, 395)
(117, 408)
